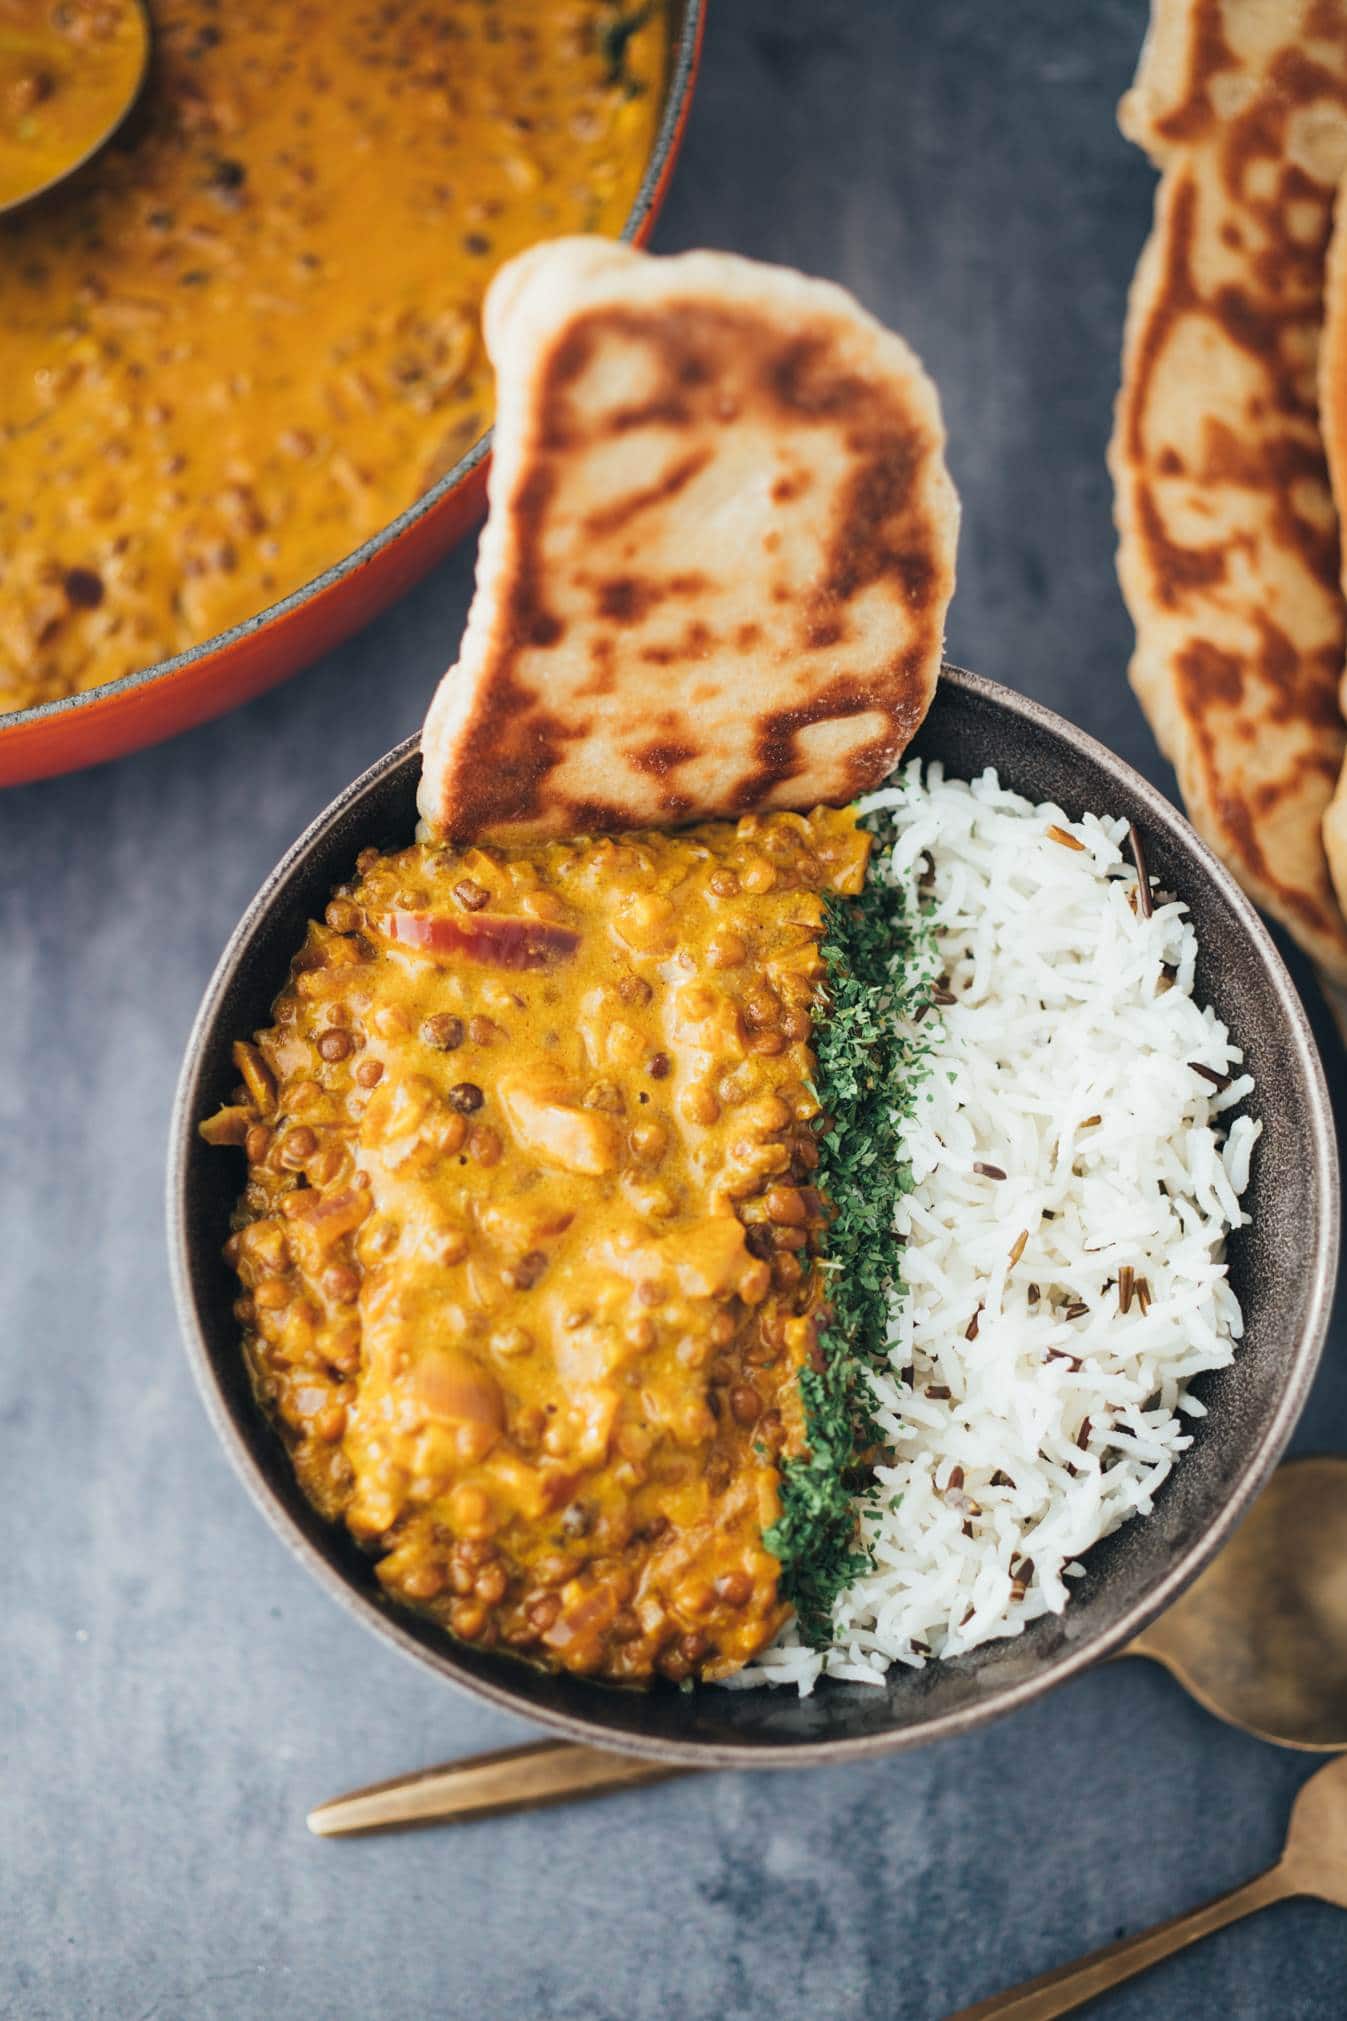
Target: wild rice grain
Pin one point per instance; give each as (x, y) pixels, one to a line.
(1143, 883)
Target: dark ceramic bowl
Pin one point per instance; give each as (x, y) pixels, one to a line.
(1282, 1267)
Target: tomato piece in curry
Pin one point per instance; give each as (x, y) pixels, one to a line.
(528, 1241)
(245, 337)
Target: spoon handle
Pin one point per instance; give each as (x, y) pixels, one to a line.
(514, 1778)
(1070, 1986)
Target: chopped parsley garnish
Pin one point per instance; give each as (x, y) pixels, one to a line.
(871, 1058)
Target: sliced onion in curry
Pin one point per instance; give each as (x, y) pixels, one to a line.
(501, 943)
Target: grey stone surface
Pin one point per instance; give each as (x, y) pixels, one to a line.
(176, 1693)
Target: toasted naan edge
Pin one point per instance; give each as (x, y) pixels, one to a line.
(718, 558)
(1333, 421)
(1205, 63)
(1228, 540)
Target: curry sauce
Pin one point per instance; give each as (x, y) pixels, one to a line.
(527, 1244)
(245, 337)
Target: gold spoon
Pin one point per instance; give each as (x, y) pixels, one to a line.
(1260, 1639)
(70, 73)
(1313, 1862)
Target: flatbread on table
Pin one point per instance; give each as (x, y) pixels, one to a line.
(1333, 420)
(1228, 540)
(719, 554)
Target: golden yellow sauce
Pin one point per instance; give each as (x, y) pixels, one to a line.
(526, 1245)
(68, 71)
(247, 336)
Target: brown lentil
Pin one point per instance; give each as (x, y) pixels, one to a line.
(443, 1031)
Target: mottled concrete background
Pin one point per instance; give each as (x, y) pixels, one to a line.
(176, 1691)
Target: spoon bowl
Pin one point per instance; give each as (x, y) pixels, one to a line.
(1260, 1638)
(68, 82)
(1315, 1856)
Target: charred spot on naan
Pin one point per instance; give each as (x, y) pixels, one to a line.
(1333, 411)
(1211, 687)
(691, 346)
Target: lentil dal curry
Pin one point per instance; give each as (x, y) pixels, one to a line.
(529, 1236)
(246, 336)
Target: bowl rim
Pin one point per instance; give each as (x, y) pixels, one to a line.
(684, 57)
(1068, 1662)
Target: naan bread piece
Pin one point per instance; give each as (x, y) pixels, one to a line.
(1228, 541)
(719, 554)
(1333, 420)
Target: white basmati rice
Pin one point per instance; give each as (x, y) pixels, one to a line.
(1066, 1063)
